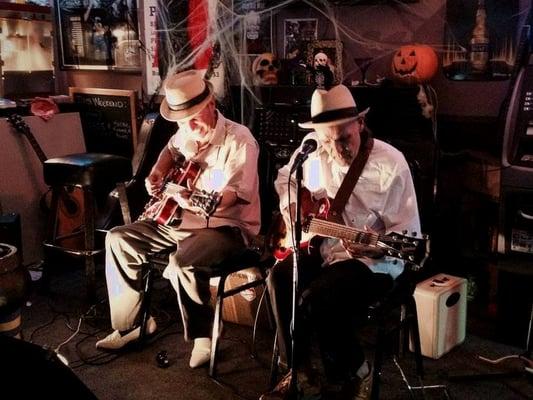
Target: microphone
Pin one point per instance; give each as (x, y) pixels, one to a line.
(308, 147)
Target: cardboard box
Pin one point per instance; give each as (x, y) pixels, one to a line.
(241, 308)
(441, 307)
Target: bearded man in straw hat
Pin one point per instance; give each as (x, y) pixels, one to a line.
(339, 280)
(227, 154)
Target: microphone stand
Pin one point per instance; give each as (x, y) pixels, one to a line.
(297, 234)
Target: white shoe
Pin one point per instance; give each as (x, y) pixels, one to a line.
(115, 341)
(201, 352)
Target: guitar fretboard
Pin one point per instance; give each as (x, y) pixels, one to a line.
(20, 126)
(331, 229)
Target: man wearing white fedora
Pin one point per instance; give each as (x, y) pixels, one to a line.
(339, 279)
(226, 153)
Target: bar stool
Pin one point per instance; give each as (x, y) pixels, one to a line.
(95, 175)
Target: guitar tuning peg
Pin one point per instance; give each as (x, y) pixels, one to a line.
(413, 234)
(411, 258)
(404, 232)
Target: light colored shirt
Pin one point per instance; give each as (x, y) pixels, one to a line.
(229, 162)
(383, 200)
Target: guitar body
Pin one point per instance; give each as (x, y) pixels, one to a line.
(162, 207)
(71, 209)
(281, 240)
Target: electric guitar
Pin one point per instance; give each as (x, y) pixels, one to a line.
(410, 248)
(70, 200)
(163, 207)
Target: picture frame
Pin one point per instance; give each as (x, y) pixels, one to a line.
(98, 35)
(108, 118)
(333, 49)
(297, 34)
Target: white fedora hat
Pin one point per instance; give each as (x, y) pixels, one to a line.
(186, 94)
(332, 107)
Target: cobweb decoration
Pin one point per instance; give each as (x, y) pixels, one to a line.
(226, 29)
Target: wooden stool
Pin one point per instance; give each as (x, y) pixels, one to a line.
(96, 175)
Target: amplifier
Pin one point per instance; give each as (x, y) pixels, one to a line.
(441, 307)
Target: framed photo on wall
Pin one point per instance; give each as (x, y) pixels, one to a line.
(480, 39)
(297, 34)
(333, 50)
(98, 34)
(254, 32)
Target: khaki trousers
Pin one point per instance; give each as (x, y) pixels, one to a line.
(188, 270)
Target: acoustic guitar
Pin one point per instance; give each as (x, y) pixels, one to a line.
(315, 224)
(70, 216)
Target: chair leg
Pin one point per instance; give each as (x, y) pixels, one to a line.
(216, 325)
(274, 364)
(415, 334)
(147, 272)
(90, 268)
(50, 238)
(256, 321)
(378, 362)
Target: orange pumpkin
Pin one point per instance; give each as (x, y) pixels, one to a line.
(414, 64)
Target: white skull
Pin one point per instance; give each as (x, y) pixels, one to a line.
(321, 59)
(265, 68)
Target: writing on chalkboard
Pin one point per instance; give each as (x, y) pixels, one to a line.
(108, 119)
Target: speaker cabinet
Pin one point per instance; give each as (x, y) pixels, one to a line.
(441, 307)
(273, 156)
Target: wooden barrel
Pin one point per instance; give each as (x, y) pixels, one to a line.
(14, 285)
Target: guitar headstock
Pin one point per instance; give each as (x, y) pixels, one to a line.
(206, 201)
(18, 123)
(414, 248)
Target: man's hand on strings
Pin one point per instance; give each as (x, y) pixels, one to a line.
(357, 249)
(183, 197)
(154, 181)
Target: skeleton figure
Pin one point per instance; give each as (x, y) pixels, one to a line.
(265, 69)
(323, 71)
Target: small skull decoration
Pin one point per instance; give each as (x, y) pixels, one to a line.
(321, 59)
(323, 71)
(265, 69)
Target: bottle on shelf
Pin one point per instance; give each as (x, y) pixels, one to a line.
(480, 43)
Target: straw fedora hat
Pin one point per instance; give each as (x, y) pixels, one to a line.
(186, 94)
(332, 107)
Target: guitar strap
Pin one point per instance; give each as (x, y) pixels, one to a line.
(351, 178)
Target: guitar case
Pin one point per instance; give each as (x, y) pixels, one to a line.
(153, 136)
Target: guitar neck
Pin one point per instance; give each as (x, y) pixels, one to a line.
(36, 147)
(321, 227)
(20, 126)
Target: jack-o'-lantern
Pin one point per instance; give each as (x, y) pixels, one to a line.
(414, 64)
(265, 68)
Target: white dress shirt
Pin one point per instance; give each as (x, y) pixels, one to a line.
(228, 163)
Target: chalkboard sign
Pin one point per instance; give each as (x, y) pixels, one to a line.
(108, 119)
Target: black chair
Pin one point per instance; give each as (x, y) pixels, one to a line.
(96, 175)
(248, 258)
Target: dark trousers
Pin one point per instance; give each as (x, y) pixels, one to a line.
(332, 303)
